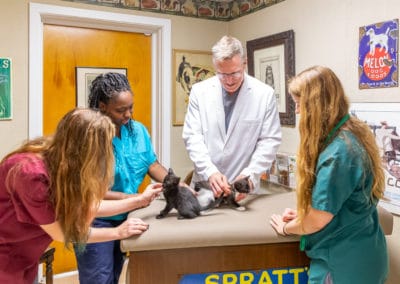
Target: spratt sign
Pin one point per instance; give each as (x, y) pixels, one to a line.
(290, 275)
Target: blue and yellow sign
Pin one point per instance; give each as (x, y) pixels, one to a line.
(289, 275)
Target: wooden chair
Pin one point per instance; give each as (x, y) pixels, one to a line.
(47, 258)
(188, 178)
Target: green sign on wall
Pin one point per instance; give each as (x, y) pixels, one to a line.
(5, 88)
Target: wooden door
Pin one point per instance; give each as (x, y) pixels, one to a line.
(66, 48)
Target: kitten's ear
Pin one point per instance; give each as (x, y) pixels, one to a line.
(247, 178)
(170, 171)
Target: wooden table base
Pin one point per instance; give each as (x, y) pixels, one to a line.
(168, 266)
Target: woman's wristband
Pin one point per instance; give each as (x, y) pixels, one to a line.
(285, 233)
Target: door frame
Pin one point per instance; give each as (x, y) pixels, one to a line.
(160, 31)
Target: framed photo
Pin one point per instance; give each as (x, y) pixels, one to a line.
(384, 121)
(5, 89)
(271, 60)
(84, 78)
(190, 66)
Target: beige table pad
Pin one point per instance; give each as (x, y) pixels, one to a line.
(222, 226)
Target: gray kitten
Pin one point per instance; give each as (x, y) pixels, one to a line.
(180, 198)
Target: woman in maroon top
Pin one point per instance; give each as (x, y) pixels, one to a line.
(51, 188)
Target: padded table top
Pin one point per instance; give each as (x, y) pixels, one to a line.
(222, 226)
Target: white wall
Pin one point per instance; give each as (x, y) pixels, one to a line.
(326, 33)
(15, 46)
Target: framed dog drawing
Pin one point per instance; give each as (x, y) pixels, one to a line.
(377, 55)
(190, 67)
(271, 60)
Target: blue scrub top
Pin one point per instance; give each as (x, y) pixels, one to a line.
(133, 154)
(352, 247)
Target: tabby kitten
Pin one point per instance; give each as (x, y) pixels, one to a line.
(181, 198)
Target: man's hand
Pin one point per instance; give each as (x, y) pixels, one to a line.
(219, 184)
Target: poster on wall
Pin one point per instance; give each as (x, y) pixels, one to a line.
(378, 55)
(5, 89)
(384, 121)
(190, 67)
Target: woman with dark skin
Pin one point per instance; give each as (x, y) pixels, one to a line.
(134, 158)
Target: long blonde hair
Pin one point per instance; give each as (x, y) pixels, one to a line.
(80, 162)
(322, 105)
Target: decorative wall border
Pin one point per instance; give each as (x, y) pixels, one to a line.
(206, 9)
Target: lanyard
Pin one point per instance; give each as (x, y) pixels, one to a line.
(333, 131)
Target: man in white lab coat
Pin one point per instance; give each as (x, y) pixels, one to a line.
(232, 126)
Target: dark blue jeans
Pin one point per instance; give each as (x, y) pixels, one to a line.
(100, 263)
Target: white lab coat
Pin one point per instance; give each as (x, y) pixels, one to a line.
(250, 144)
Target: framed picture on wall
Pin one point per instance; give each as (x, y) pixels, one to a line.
(84, 78)
(190, 66)
(384, 121)
(271, 60)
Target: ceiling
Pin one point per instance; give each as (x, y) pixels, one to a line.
(220, 10)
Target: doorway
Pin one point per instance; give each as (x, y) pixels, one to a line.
(65, 49)
(43, 16)
(158, 28)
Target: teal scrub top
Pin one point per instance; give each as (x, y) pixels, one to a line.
(352, 247)
(133, 154)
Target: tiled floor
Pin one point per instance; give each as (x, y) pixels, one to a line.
(73, 279)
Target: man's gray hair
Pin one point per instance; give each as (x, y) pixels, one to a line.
(226, 48)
